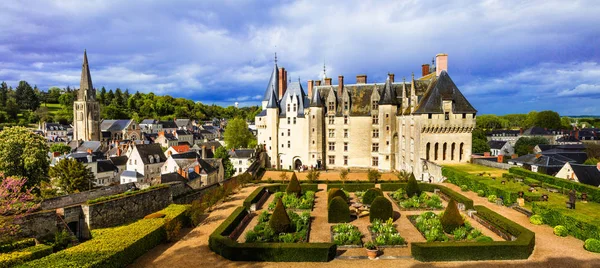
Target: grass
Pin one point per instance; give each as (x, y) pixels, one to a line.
(52, 107)
(587, 212)
(477, 169)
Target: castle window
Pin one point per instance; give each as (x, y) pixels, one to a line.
(288, 120)
(345, 146)
(345, 119)
(375, 105)
(429, 116)
(387, 142)
(331, 106)
(331, 159)
(387, 127)
(375, 119)
(387, 115)
(447, 115)
(289, 132)
(375, 133)
(464, 116)
(294, 120)
(331, 133)
(282, 134)
(288, 107)
(289, 144)
(387, 157)
(313, 142)
(331, 120)
(313, 156)
(313, 116)
(345, 133)
(313, 129)
(375, 147)
(332, 146)
(346, 105)
(345, 160)
(375, 161)
(294, 107)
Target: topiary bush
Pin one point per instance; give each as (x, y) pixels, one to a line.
(484, 239)
(492, 198)
(338, 210)
(412, 187)
(481, 193)
(294, 186)
(371, 194)
(333, 192)
(451, 218)
(592, 245)
(280, 221)
(381, 208)
(560, 230)
(464, 188)
(536, 219)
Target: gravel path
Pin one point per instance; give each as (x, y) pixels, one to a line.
(192, 250)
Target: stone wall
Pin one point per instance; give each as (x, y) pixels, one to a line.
(126, 209)
(38, 224)
(493, 164)
(78, 198)
(193, 195)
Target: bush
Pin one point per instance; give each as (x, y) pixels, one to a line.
(62, 240)
(23, 255)
(412, 187)
(536, 219)
(560, 230)
(592, 245)
(25, 243)
(492, 198)
(294, 186)
(373, 175)
(335, 192)
(592, 192)
(155, 215)
(172, 228)
(371, 194)
(451, 218)
(338, 210)
(581, 228)
(464, 188)
(381, 209)
(280, 222)
(480, 193)
(351, 187)
(197, 210)
(484, 239)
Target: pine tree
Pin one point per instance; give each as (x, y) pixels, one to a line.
(71, 176)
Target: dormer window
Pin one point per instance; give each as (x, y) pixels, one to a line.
(151, 159)
(447, 115)
(156, 158)
(294, 107)
(375, 105)
(331, 106)
(346, 105)
(288, 107)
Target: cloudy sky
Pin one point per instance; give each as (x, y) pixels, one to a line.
(505, 56)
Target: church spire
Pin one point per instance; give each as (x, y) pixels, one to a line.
(86, 89)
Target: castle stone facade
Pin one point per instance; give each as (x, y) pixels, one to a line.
(386, 126)
(86, 110)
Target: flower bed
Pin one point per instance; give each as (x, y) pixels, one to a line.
(291, 201)
(346, 235)
(262, 232)
(384, 234)
(421, 202)
(430, 227)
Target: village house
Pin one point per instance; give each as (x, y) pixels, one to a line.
(149, 126)
(500, 148)
(166, 139)
(177, 149)
(199, 172)
(586, 174)
(147, 159)
(241, 159)
(126, 129)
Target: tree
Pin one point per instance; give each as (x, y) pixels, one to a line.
(480, 146)
(591, 161)
(221, 152)
(343, 175)
(15, 199)
(548, 119)
(451, 218)
(237, 134)
(60, 148)
(294, 186)
(53, 95)
(531, 119)
(403, 175)
(71, 176)
(515, 120)
(491, 122)
(3, 94)
(593, 150)
(373, 175)
(102, 96)
(26, 97)
(24, 154)
(313, 175)
(109, 97)
(412, 188)
(12, 108)
(525, 145)
(565, 123)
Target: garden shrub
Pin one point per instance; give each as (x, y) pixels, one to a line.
(280, 221)
(581, 228)
(484, 239)
(370, 195)
(592, 245)
(23, 255)
(464, 188)
(560, 230)
(536, 219)
(338, 210)
(351, 187)
(294, 186)
(172, 228)
(385, 233)
(592, 192)
(381, 208)
(25, 243)
(412, 187)
(334, 192)
(480, 193)
(492, 198)
(390, 187)
(62, 240)
(155, 215)
(451, 218)
(346, 234)
(509, 193)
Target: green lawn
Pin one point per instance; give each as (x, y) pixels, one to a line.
(52, 107)
(477, 169)
(586, 212)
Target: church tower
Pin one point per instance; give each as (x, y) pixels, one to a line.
(86, 110)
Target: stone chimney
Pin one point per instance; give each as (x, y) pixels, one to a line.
(391, 76)
(328, 81)
(441, 63)
(161, 133)
(500, 158)
(203, 155)
(340, 85)
(282, 81)
(361, 79)
(424, 69)
(317, 83)
(310, 88)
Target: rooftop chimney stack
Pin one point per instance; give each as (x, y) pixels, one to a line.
(424, 69)
(340, 85)
(441, 63)
(318, 83)
(282, 82)
(391, 76)
(361, 79)
(310, 88)
(328, 81)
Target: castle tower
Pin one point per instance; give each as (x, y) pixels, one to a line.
(316, 132)
(86, 110)
(388, 136)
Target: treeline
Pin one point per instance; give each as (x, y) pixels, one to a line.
(26, 105)
(544, 119)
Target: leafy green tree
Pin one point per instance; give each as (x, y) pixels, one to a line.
(101, 97)
(237, 134)
(591, 161)
(480, 146)
(373, 175)
(3, 94)
(548, 119)
(71, 176)
(12, 108)
(112, 111)
(565, 123)
(66, 100)
(515, 120)
(119, 99)
(344, 175)
(60, 148)
(24, 154)
(222, 153)
(53, 95)
(26, 97)
(491, 122)
(531, 120)
(593, 150)
(525, 145)
(313, 175)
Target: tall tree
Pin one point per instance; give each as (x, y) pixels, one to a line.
(119, 99)
(237, 134)
(12, 108)
(60, 148)
(222, 153)
(3, 94)
(109, 97)
(102, 96)
(26, 97)
(548, 119)
(525, 145)
(24, 154)
(71, 176)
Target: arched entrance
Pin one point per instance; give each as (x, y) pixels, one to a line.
(297, 164)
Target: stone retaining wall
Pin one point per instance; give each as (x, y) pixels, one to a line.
(78, 198)
(493, 164)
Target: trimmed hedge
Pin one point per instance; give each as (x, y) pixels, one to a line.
(451, 218)
(448, 192)
(338, 210)
(25, 243)
(220, 243)
(577, 228)
(282, 187)
(23, 255)
(294, 186)
(592, 192)
(371, 194)
(279, 221)
(476, 183)
(412, 187)
(334, 192)
(381, 208)
(254, 197)
(351, 187)
(521, 248)
(592, 245)
(116, 246)
(390, 187)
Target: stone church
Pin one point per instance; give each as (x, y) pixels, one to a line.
(392, 125)
(86, 109)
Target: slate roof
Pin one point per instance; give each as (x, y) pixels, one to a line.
(533, 131)
(171, 177)
(132, 174)
(502, 133)
(388, 95)
(294, 92)
(443, 88)
(114, 125)
(496, 144)
(149, 122)
(119, 160)
(543, 160)
(95, 146)
(208, 165)
(587, 174)
(146, 150)
(316, 100)
(56, 126)
(272, 102)
(186, 155)
(168, 124)
(273, 86)
(241, 153)
(182, 122)
(106, 166)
